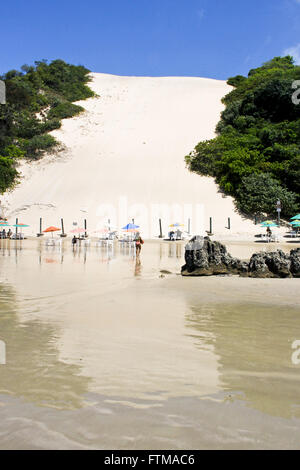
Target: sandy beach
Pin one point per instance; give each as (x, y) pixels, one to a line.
(123, 158)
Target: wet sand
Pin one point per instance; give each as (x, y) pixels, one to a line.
(105, 351)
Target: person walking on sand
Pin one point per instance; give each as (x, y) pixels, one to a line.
(138, 244)
(74, 241)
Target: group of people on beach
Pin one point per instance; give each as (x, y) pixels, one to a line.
(175, 235)
(4, 234)
(138, 242)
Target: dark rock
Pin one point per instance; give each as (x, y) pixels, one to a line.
(295, 262)
(274, 264)
(204, 257)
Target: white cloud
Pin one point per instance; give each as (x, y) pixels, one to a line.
(294, 51)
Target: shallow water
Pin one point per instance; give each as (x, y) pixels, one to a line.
(104, 351)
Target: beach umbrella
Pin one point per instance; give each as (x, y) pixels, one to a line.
(295, 222)
(4, 225)
(101, 230)
(296, 217)
(78, 230)
(176, 225)
(129, 227)
(51, 230)
(269, 223)
(20, 226)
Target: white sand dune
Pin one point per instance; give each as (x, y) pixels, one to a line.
(124, 159)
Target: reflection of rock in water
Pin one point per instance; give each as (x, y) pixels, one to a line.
(33, 370)
(253, 343)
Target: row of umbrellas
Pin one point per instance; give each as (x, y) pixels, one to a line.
(4, 224)
(295, 222)
(128, 228)
(52, 229)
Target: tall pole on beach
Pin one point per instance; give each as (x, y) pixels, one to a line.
(17, 220)
(278, 208)
(40, 225)
(85, 234)
(160, 229)
(62, 226)
(210, 225)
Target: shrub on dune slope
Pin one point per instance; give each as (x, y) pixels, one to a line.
(259, 136)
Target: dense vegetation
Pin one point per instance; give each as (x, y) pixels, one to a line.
(256, 154)
(37, 97)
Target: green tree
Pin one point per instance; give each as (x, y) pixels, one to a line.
(38, 97)
(258, 194)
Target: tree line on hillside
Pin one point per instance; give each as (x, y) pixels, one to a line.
(255, 156)
(37, 99)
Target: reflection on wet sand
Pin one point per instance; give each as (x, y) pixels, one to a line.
(98, 333)
(253, 344)
(33, 370)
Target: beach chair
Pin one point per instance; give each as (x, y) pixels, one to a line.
(264, 237)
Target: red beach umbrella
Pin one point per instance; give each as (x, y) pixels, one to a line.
(51, 229)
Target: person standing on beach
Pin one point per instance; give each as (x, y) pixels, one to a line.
(138, 244)
(74, 241)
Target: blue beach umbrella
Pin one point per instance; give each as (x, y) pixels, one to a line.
(296, 217)
(130, 227)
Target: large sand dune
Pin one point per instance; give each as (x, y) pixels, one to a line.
(124, 159)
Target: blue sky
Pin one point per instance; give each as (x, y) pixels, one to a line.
(207, 38)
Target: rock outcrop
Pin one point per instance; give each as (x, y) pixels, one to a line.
(204, 257)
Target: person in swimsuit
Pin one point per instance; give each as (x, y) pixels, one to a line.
(138, 244)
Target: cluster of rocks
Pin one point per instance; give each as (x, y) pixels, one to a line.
(204, 257)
